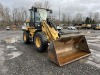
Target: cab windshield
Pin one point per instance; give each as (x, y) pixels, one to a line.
(43, 13)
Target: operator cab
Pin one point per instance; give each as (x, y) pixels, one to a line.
(37, 15)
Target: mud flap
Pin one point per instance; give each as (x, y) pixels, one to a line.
(68, 49)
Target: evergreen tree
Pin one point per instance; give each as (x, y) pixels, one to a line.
(93, 22)
(88, 20)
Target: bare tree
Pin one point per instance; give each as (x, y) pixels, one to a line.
(46, 5)
(1, 16)
(64, 18)
(78, 18)
(15, 12)
(91, 15)
(25, 14)
(68, 19)
(7, 15)
(38, 4)
(96, 17)
(19, 15)
(1, 11)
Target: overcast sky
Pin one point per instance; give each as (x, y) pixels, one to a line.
(66, 6)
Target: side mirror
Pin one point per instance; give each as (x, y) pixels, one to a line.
(35, 9)
(51, 11)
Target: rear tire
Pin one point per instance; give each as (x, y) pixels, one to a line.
(40, 42)
(26, 37)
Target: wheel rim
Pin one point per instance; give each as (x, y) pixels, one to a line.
(38, 42)
(24, 37)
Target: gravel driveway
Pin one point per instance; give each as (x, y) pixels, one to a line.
(16, 58)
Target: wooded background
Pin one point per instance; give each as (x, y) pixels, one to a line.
(17, 16)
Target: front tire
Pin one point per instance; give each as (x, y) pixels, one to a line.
(26, 37)
(40, 42)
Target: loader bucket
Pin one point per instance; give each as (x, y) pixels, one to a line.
(68, 49)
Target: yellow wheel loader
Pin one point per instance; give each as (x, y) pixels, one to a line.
(44, 34)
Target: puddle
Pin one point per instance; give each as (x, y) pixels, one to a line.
(3, 68)
(12, 40)
(11, 47)
(94, 59)
(94, 64)
(17, 37)
(94, 44)
(94, 52)
(94, 40)
(88, 31)
(95, 37)
(14, 54)
(98, 55)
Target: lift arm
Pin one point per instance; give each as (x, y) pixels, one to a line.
(50, 31)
